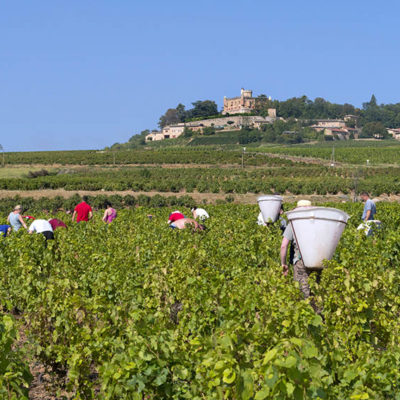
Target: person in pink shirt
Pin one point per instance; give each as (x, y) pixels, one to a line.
(109, 214)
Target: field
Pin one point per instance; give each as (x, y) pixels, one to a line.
(294, 170)
(135, 310)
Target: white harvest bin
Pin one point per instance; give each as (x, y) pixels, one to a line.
(317, 231)
(270, 207)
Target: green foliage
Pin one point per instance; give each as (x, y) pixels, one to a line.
(163, 314)
(374, 129)
(201, 109)
(15, 376)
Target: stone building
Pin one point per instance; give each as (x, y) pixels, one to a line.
(245, 104)
(168, 132)
(395, 132)
(322, 124)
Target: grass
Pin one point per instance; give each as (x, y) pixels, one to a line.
(16, 172)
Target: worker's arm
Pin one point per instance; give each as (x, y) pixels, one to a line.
(90, 215)
(284, 249)
(367, 215)
(22, 222)
(105, 215)
(8, 231)
(73, 216)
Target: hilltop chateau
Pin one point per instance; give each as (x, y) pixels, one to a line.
(231, 119)
(245, 104)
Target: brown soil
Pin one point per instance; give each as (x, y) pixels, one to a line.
(298, 159)
(248, 198)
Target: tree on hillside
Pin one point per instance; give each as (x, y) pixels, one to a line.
(181, 112)
(204, 108)
(200, 109)
(374, 129)
(262, 105)
(170, 117)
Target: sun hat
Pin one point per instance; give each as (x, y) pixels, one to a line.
(304, 203)
(17, 207)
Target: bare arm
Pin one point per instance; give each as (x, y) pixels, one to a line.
(73, 216)
(22, 222)
(105, 215)
(367, 215)
(191, 221)
(284, 249)
(90, 216)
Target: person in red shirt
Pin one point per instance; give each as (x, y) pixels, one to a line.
(56, 223)
(82, 212)
(174, 216)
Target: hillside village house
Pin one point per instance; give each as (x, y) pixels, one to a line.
(395, 132)
(168, 132)
(322, 124)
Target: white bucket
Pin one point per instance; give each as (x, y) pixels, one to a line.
(270, 207)
(370, 227)
(317, 231)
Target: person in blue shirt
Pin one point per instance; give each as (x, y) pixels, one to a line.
(5, 230)
(369, 207)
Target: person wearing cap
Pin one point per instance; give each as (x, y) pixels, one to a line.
(42, 226)
(174, 216)
(200, 213)
(300, 272)
(15, 219)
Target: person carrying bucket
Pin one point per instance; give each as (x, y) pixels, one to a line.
(369, 224)
(369, 207)
(300, 272)
(282, 221)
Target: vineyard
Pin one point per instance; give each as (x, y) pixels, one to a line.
(280, 176)
(350, 152)
(135, 310)
(377, 152)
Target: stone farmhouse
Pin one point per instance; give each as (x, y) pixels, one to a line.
(395, 132)
(337, 128)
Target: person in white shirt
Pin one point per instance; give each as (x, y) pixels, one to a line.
(200, 213)
(42, 226)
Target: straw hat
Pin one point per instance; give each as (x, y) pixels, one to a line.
(18, 207)
(304, 203)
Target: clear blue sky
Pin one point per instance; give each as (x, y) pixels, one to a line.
(86, 74)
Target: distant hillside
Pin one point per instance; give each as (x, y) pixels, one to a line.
(298, 112)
